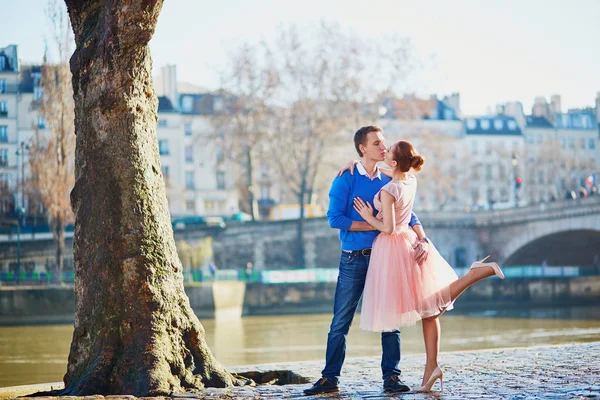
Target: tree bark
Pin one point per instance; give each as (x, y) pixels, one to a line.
(135, 332)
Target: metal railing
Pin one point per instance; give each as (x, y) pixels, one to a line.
(313, 275)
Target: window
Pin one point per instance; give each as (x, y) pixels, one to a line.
(4, 181)
(189, 156)
(163, 147)
(530, 139)
(186, 104)
(512, 125)
(220, 155)
(488, 148)
(541, 177)
(563, 142)
(488, 171)
(490, 195)
(2, 85)
(501, 173)
(220, 180)
(471, 124)
(485, 124)
(539, 139)
(498, 124)
(187, 127)
(190, 205)
(582, 143)
(162, 123)
(3, 108)
(3, 157)
(460, 254)
(3, 133)
(592, 144)
(571, 142)
(209, 205)
(41, 122)
(474, 147)
(189, 180)
(165, 172)
(264, 192)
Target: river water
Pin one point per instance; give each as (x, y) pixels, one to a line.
(37, 354)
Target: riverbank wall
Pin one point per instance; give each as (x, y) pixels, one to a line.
(231, 299)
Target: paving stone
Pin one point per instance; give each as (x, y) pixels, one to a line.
(554, 372)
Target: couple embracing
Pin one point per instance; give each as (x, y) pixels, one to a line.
(387, 259)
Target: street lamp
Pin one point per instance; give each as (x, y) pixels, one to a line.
(20, 212)
(21, 152)
(516, 179)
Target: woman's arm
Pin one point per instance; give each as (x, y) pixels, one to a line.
(387, 207)
(352, 163)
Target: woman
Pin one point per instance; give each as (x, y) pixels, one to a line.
(398, 291)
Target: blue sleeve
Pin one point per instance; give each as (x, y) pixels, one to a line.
(414, 220)
(339, 195)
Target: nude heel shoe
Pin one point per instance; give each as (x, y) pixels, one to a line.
(435, 375)
(495, 267)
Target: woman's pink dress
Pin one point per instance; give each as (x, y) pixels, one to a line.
(398, 291)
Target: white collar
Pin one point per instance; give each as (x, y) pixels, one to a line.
(361, 170)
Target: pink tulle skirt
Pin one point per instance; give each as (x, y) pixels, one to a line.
(398, 291)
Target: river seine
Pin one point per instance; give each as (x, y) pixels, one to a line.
(38, 354)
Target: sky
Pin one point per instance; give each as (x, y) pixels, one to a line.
(489, 51)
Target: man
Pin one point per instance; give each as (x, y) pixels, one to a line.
(357, 237)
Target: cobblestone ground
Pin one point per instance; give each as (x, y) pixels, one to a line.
(556, 372)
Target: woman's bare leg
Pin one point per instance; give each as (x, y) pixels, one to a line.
(473, 276)
(431, 337)
(431, 326)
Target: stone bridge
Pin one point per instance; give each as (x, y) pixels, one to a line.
(562, 233)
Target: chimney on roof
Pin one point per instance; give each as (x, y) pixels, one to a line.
(168, 82)
(453, 101)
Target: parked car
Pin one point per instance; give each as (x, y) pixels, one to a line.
(197, 221)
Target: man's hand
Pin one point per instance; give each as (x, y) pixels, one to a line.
(349, 167)
(421, 248)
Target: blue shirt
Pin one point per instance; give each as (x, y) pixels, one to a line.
(341, 212)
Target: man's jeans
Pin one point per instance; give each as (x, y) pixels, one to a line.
(349, 289)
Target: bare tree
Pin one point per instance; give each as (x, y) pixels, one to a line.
(135, 332)
(240, 125)
(51, 154)
(327, 90)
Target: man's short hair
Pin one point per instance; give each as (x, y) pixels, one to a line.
(360, 137)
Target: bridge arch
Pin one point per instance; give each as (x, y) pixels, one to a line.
(568, 247)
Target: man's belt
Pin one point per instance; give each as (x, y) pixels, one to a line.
(363, 252)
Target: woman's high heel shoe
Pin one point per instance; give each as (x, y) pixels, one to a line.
(435, 375)
(495, 267)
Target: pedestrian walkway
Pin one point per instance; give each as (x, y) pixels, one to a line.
(553, 372)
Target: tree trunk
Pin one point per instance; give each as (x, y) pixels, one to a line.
(249, 180)
(300, 259)
(135, 332)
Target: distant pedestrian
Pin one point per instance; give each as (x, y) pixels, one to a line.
(213, 270)
(248, 270)
(544, 265)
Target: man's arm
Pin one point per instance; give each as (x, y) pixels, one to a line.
(339, 196)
